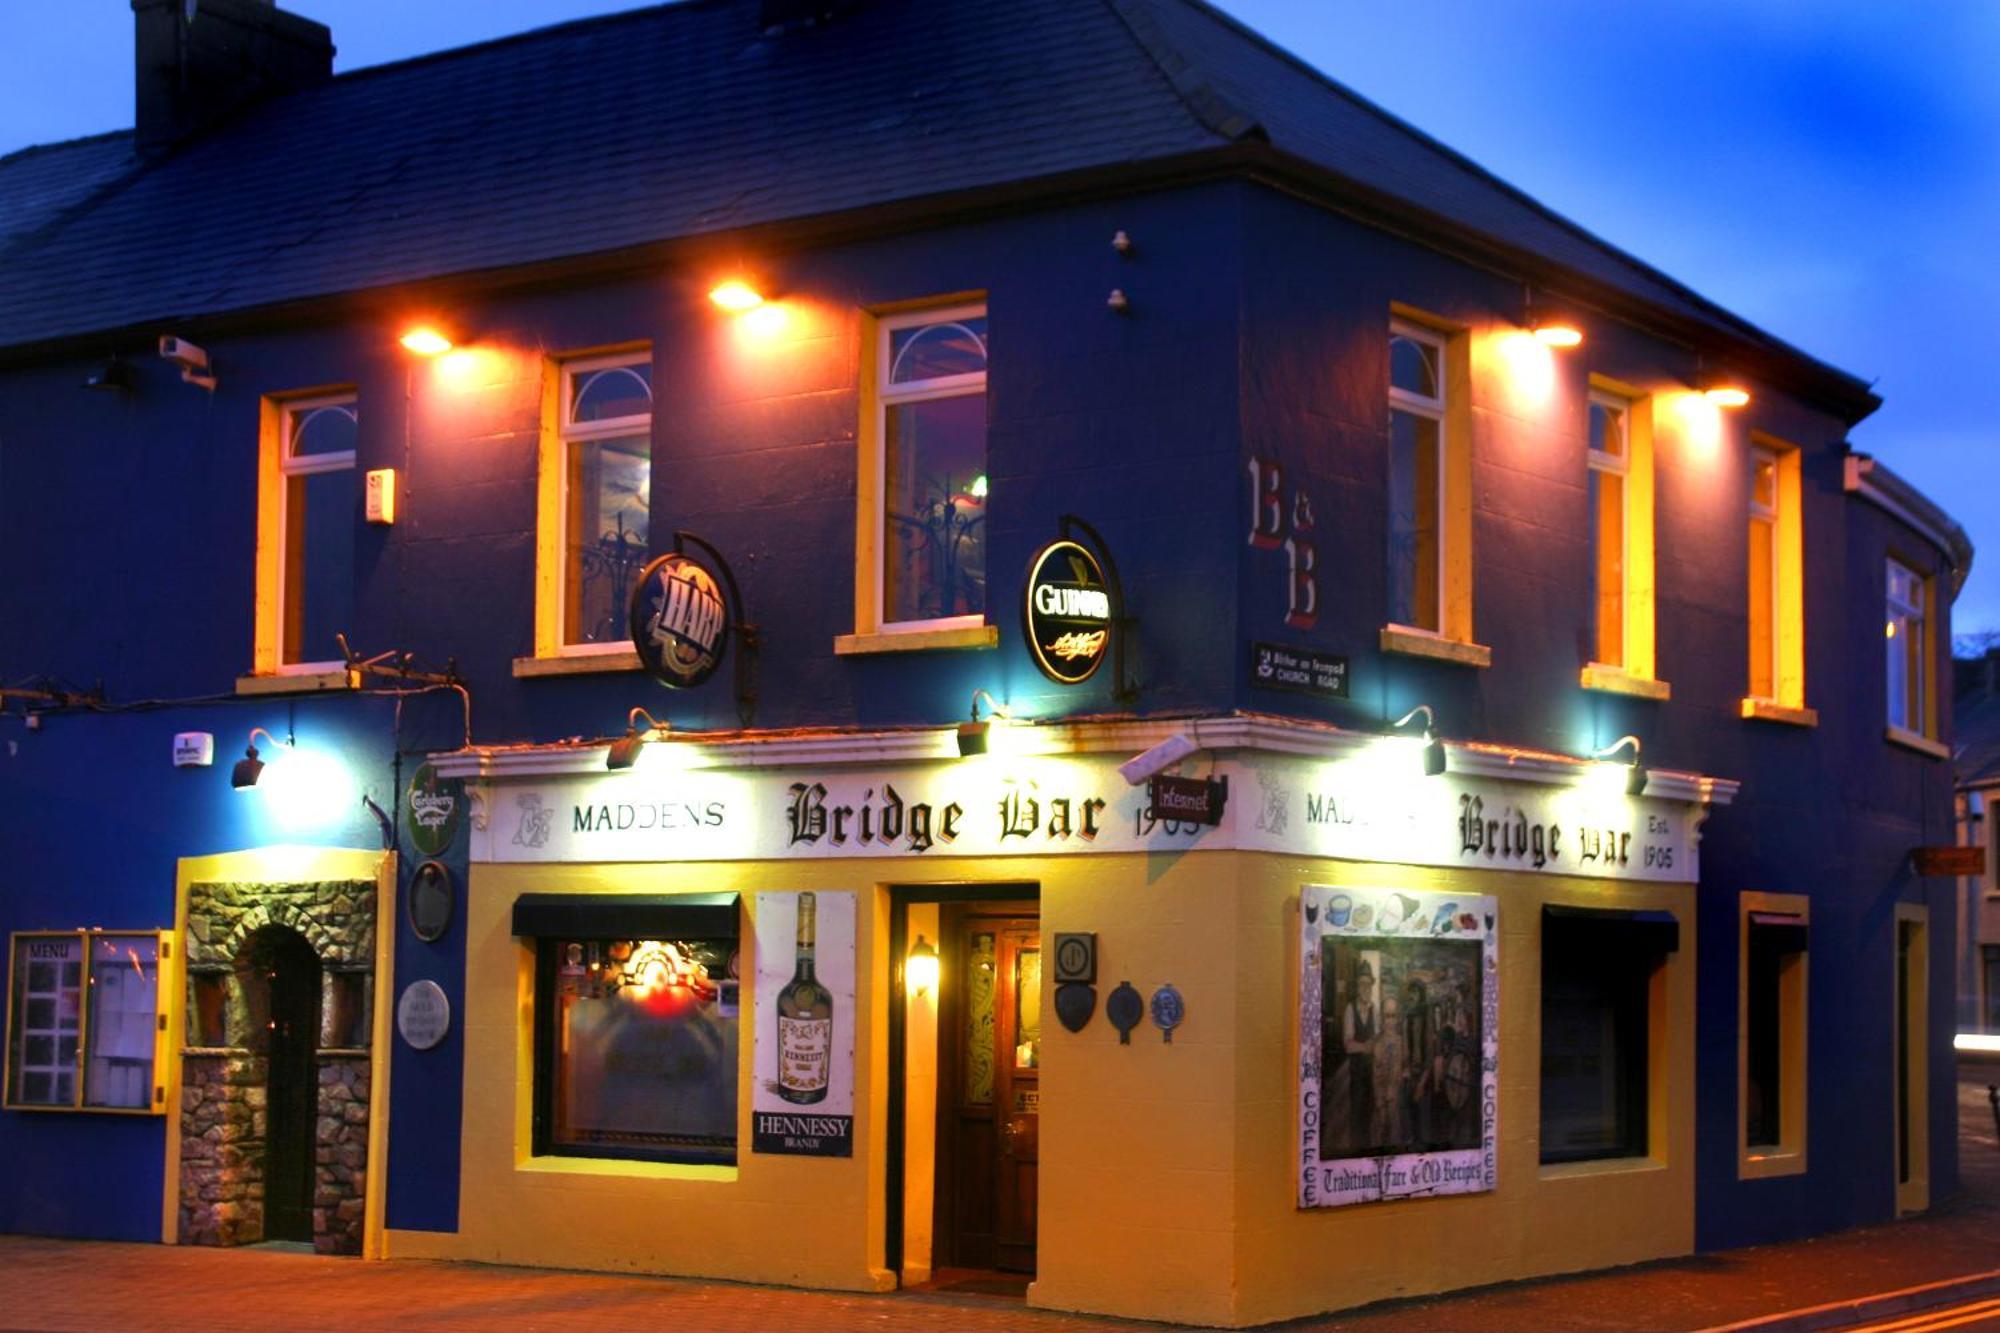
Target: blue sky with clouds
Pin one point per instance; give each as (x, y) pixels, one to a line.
(1829, 169)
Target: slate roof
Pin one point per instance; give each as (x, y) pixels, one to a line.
(688, 119)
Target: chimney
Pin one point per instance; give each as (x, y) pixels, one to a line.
(198, 61)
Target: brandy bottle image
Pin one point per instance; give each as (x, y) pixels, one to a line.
(805, 1019)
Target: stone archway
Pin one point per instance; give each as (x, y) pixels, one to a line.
(225, 1066)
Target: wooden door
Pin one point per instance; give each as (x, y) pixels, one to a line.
(292, 1093)
(989, 1088)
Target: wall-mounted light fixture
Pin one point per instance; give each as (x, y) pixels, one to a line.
(920, 968)
(735, 295)
(1434, 756)
(250, 767)
(1635, 775)
(625, 750)
(1721, 390)
(974, 734)
(1556, 333)
(426, 340)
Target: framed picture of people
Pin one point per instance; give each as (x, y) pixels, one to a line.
(1399, 1040)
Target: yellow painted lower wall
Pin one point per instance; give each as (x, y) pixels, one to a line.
(1167, 1170)
(1540, 1220)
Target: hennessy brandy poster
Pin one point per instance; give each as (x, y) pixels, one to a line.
(1399, 1040)
(803, 1100)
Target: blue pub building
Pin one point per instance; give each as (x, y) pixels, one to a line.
(578, 610)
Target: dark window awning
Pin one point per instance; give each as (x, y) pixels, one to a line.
(627, 916)
(1635, 929)
(1780, 932)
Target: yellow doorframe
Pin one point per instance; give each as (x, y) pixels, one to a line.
(281, 865)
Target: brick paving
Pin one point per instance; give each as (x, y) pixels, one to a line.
(53, 1284)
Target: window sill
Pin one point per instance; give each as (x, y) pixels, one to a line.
(917, 640)
(581, 664)
(1417, 643)
(1910, 740)
(1617, 680)
(1770, 1164)
(1769, 710)
(1601, 1166)
(300, 682)
(630, 1170)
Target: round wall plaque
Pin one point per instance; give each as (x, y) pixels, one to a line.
(423, 1014)
(1124, 1009)
(436, 808)
(679, 621)
(431, 900)
(1067, 613)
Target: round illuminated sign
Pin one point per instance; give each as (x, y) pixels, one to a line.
(679, 621)
(1067, 614)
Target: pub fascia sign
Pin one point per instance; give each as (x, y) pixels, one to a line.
(1043, 806)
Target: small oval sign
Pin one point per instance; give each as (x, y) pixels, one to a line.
(423, 1014)
(680, 621)
(1067, 615)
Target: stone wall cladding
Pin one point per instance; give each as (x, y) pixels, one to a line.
(223, 1090)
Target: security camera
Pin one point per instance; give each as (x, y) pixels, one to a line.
(191, 359)
(1158, 759)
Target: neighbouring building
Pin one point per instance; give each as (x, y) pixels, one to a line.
(841, 643)
(1976, 762)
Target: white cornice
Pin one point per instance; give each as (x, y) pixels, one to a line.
(1238, 732)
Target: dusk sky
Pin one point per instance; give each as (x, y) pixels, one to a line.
(1830, 170)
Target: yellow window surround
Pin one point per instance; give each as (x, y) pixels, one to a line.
(268, 620)
(1786, 1157)
(1454, 641)
(1636, 673)
(872, 632)
(554, 657)
(1781, 640)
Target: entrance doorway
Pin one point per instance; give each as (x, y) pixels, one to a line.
(292, 1083)
(965, 1105)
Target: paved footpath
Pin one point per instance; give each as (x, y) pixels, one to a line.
(50, 1284)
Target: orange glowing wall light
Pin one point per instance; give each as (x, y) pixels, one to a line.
(736, 295)
(424, 340)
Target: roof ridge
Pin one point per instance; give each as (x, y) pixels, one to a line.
(27, 150)
(1617, 252)
(512, 38)
(1210, 109)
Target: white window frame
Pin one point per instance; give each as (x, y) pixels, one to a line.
(1910, 617)
(1433, 407)
(568, 434)
(888, 395)
(289, 467)
(1618, 465)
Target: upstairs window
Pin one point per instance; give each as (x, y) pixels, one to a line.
(1907, 637)
(931, 406)
(597, 497)
(1775, 602)
(1416, 477)
(311, 511)
(1763, 574)
(1610, 462)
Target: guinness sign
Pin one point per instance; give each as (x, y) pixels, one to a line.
(1068, 616)
(679, 621)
